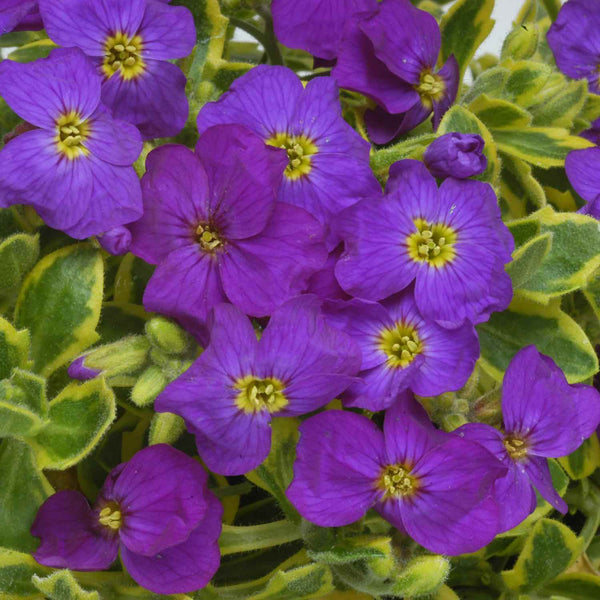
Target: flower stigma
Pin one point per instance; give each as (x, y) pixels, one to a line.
(110, 516)
(432, 243)
(515, 446)
(431, 88)
(300, 150)
(401, 344)
(256, 395)
(208, 238)
(123, 54)
(397, 482)
(71, 133)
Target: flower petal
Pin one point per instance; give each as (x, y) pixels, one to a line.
(539, 474)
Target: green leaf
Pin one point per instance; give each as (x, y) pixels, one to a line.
(22, 492)
(354, 549)
(575, 586)
(16, 571)
(310, 581)
(464, 27)
(460, 119)
(496, 113)
(584, 461)
(61, 585)
(78, 418)
(18, 254)
(548, 327)
(131, 280)
(23, 405)
(60, 304)
(526, 79)
(549, 549)
(518, 188)
(14, 348)
(528, 258)
(592, 292)
(541, 146)
(490, 82)
(32, 51)
(561, 103)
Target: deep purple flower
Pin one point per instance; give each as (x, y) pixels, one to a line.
(238, 384)
(328, 167)
(391, 58)
(451, 242)
(75, 167)
(117, 241)
(156, 509)
(131, 43)
(323, 282)
(316, 26)
(574, 39)
(582, 167)
(544, 417)
(78, 370)
(431, 485)
(402, 350)
(458, 155)
(214, 228)
(19, 15)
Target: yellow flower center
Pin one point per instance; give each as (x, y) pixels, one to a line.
(431, 88)
(71, 133)
(515, 446)
(256, 395)
(397, 482)
(432, 243)
(208, 238)
(300, 150)
(110, 516)
(123, 55)
(401, 344)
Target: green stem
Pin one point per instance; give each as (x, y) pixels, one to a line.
(552, 7)
(249, 28)
(270, 44)
(255, 537)
(239, 489)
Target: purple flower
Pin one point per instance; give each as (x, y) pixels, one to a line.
(75, 167)
(117, 241)
(214, 228)
(131, 43)
(156, 509)
(582, 167)
(574, 39)
(314, 25)
(238, 384)
(593, 133)
(451, 242)
(328, 162)
(458, 155)
(323, 282)
(19, 15)
(544, 417)
(431, 485)
(402, 350)
(78, 370)
(391, 58)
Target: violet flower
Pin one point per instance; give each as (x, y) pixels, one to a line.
(544, 417)
(458, 155)
(238, 384)
(431, 485)
(391, 58)
(74, 168)
(214, 228)
(582, 167)
(451, 242)
(155, 509)
(19, 15)
(402, 350)
(328, 162)
(131, 43)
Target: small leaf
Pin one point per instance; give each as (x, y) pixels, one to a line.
(78, 418)
(18, 254)
(528, 258)
(490, 82)
(61, 585)
(16, 571)
(60, 304)
(575, 586)
(23, 405)
(32, 51)
(526, 79)
(310, 581)
(549, 549)
(14, 348)
(560, 104)
(354, 549)
(131, 279)
(518, 188)
(584, 461)
(496, 113)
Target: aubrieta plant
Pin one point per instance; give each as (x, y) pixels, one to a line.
(299, 299)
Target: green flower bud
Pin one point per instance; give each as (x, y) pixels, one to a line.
(149, 385)
(522, 42)
(453, 421)
(167, 336)
(165, 428)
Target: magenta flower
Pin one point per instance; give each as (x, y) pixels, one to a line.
(431, 485)
(328, 162)
(402, 350)
(155, 509)
(391, 57)
(450, 242)
(544, 417)
(131, 43)
(19, 15)
(238, 384)
(458, 155)
(574, 39)
(214, 228)
(582, 168)
(74, 168)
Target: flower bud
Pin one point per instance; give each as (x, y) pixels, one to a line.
(149, 385)
(116, 241)
(165, 428)
(458, 155)
(522, 42)
(167, 336)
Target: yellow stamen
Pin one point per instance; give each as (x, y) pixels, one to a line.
(401, 343)
(432, 243)
(256, 394)
(300, 150)
(397, 482)
(124, 55)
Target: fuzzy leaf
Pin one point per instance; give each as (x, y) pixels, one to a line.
(61, 585)
(23, 404)
(575, 586)
(14, 348)
(561, 104)
(525, 81)
(60, 305)
(354, 549)
(131, 279)
(496, 113)
(18, 254)
(518, 188)
(528, 258)
(78, 418)
(310, 581)
(16, 571)
(584, 461)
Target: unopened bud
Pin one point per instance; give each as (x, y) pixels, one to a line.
(165, 428)
(149, 385)
(167, 336)
(522, 42)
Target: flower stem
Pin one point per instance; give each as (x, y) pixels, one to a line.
(255, 537)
